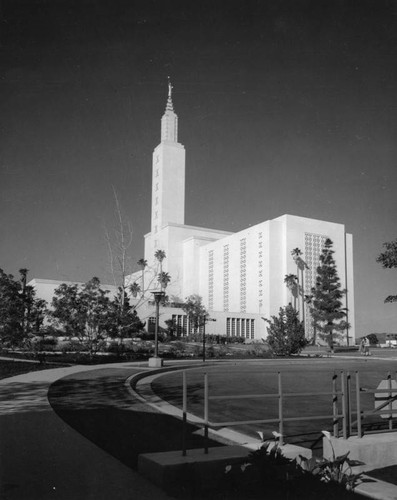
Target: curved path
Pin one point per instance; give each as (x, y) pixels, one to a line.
(42, 457)
(88, 447)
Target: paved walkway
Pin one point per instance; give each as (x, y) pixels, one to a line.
(75, 433)
(41, 457)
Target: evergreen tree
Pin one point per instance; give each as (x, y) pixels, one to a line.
(21, 313)
(326, 299)
(388, 259)
(122, 319)
(286, 334)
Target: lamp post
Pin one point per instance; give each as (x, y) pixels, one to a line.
(156, 361)
(205, 320)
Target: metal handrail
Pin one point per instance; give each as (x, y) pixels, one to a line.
(280, 420)
(343, 395)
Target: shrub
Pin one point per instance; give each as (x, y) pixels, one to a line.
(222, 351)
(71, 346)
(259, 350)
(197, 351)
(146, 335)
(286, 334)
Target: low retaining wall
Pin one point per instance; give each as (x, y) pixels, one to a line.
(170, 470)
(375, 450)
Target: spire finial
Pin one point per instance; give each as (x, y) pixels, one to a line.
(169, 106)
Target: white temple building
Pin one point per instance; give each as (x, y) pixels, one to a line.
(240, 276)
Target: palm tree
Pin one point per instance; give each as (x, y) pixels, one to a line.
(296, 255)
(300, 266)
(135, 289)
(142, 263)
(292, 282)
(160, 256)
(163, 278)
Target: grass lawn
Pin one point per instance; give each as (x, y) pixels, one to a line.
(259, 377)
(12, 368)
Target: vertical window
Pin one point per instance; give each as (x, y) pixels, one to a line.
(252, 328)
(226, 278)
(243, 275)
(227, 327)
(211, 280)
(184, 327)
(178, 325)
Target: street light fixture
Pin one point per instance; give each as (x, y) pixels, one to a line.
(156, 362)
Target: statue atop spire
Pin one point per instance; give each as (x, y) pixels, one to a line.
(169, 121)
(170, 106)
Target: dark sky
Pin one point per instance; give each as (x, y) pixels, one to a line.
(284, 107)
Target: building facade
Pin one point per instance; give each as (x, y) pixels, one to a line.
(240, 276)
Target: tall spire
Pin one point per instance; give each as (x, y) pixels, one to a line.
(169, 121)
(170, 106)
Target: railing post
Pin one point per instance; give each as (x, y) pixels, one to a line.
(391, 401)
(184, 410)
(280, 410)
(344, 407)
(358, 404)
(206, 413)
(349, 406)
(335, 405)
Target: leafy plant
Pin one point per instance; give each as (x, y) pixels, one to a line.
(268, 468)
(373, 339)
(388, 259)
(338, 469)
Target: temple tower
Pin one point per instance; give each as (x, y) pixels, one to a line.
(168, 177)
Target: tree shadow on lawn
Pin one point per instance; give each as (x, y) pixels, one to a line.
(23, 397)
(106, 414)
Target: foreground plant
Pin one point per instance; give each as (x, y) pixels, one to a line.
(338, 469)
(267, 467)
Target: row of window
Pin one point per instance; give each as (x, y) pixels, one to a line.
(184, 326)
(235, 327)
(240, 327)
